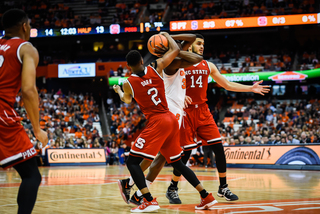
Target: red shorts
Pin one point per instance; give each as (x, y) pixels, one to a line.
(161, 134)
(198, 123)
(15, 145)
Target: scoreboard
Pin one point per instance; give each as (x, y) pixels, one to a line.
(245, 22)
(184, 25)
(112, 29)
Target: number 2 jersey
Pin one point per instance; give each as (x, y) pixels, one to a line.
(149, 92)
(197, 82)
(162, 131)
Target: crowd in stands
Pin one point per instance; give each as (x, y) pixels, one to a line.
(274, 122)
(231, 62)
(126, 13)
(68, 119)
(125, 121)
(120, 72)
(309, 61)
(189, 10)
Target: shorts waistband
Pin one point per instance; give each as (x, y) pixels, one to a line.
(197, 105)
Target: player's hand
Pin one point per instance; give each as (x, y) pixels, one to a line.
(42, 137)
(187, 100)
(260, 89)
(164, 33)
(161, 50)
(116, 88)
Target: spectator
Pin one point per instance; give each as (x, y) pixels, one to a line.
(292, 140)
(304, 138)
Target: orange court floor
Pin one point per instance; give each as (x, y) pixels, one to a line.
(94, 189)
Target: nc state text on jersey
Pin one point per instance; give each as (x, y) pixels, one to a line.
(189, 72)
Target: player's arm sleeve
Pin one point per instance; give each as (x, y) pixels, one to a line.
(223, 82)
(30, 58)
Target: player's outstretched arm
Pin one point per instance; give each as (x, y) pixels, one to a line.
(169, 56)
(189, 59)
(30, 58)
(126, 94)
(237, 87)
(187, 39)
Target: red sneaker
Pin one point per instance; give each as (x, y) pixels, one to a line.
(146, 206)
(206, 202)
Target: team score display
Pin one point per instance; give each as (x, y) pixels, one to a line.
(184, 85)
(1, 60)
(140, 143)
(198, 82)
(178, 116)
(153, 97)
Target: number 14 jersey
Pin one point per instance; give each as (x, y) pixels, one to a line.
(149, 92)
(197, 82)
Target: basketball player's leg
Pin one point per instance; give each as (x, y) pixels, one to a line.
(187, 142)
(209, 131)
(154, 170)
(31, 179)
(170, 151)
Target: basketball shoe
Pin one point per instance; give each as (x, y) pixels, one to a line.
(225, 192)
(124, 189)
(206, 202)
(172, 195)
(146, 206)
(135, 199)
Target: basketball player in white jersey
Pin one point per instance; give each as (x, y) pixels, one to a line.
(175, 89)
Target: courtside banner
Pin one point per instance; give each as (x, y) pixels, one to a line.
(76, 70)
(76, 156)
(283, 155)
(252, 77)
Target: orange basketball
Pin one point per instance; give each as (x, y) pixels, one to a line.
(156, 40)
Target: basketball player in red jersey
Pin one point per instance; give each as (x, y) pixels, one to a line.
(18, 62)
(199, 122)
(146, 86)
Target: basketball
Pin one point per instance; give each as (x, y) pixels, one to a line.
(156, 40)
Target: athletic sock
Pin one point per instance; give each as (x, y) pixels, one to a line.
(173, 184)
(148, 185)
(148, 196)
(223, 181)
(204, 193)
(131, 182)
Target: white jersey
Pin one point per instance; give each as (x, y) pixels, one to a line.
(175, 88)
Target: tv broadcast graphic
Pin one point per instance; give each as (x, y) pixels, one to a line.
(173, 107)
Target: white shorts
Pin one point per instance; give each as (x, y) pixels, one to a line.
(177, 111)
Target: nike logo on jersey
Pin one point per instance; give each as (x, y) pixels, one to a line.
(4, 47)
(189, 72)
(146, 82)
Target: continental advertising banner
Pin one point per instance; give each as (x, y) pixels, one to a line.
(284, 155)
(250, 77)
(76, 156)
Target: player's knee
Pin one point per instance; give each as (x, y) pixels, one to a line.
(178, 165)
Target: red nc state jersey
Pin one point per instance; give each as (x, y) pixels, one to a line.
(197, 82)
(149, 92)
(10, 69)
